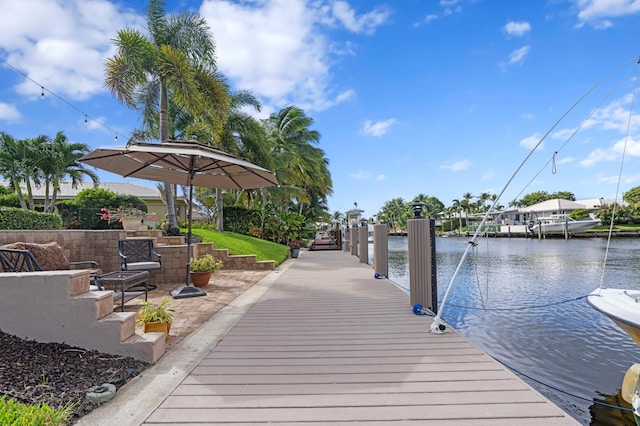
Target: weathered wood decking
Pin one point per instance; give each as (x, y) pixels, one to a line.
(329, 344)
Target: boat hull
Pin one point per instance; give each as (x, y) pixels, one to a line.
(621, 306)
(560, 228)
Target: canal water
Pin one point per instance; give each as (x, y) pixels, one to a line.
(506, 301)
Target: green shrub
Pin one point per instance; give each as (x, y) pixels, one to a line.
(240, 219)
(84, 211)
(14, 413)
(12, 218)
(10, 200)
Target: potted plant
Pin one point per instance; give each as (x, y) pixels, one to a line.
(156, 317)
(294, 247)
(130, 217)
(201, 268)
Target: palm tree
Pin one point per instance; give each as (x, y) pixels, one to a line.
(62, 162)
(302, 169)
(13, 158)
(175, 60)
(456, 205)
(244, 136)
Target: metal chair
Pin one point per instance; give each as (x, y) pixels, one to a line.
(12, 260)
(139, 254)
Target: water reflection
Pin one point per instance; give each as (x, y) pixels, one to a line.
(568, 346)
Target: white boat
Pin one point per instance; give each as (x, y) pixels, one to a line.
(562, 224)
(622, 306)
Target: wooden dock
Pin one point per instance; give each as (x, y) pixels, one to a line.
(329, 344)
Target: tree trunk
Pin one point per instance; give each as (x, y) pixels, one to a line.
(30, 195)
(172, 222)
(16, 185)
(219, 208)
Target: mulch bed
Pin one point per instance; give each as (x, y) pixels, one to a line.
(59, 374)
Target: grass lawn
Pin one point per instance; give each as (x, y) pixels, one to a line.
(239, 244)
(605, 228)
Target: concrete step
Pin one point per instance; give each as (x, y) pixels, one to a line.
(148, 347)
(102, 300)
(124, 323)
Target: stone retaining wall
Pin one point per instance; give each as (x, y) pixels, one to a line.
(102, 247)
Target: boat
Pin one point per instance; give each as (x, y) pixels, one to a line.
(562, 224)
(621, 306)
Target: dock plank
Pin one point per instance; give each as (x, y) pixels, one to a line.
(328, 344)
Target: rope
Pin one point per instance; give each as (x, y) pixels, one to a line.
(592, 400)
(521, 308)
(582, 124)
(624, 150)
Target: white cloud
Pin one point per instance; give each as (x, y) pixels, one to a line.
(458, 165)
(565, 160)
(361, 175)
(366, 23)
(531, 141)
(61, 44)
(96, 123)
(278, 50)
(630, 147)
(429, 18)
(378, 128)
(615, 116)
(381, 178)
(517, 29)
(596, 12)
(9, 112)
(518, 55)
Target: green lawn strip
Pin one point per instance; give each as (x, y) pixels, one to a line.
(14, 413)
(605, 228)
(239, 244)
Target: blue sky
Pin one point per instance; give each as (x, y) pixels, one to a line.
(413, 96)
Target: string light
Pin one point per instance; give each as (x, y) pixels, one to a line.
(42, 90)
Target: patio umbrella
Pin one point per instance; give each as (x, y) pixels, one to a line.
(183, 163)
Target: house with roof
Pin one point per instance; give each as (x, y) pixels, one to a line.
(152, 197)
(548, 208)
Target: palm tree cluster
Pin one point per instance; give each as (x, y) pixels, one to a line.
(170, 76)
(41, 161)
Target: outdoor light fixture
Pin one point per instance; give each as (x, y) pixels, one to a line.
(363, 221)
(417, 207)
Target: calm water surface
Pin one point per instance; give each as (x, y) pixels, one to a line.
(570, 346)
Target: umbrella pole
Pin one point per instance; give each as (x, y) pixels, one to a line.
(188, 290)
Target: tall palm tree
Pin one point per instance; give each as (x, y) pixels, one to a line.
(302, 168)
(456, 205)
(62, 162)
(176, 59)
(244, 136)
(13, 158)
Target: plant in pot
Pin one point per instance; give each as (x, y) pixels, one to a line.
(201, 268)
(294, 247)
(156, 317)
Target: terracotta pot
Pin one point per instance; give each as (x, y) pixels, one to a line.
(130, 223)
(162, 327)
(200, 279)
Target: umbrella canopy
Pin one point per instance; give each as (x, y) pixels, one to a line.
(182, 163)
